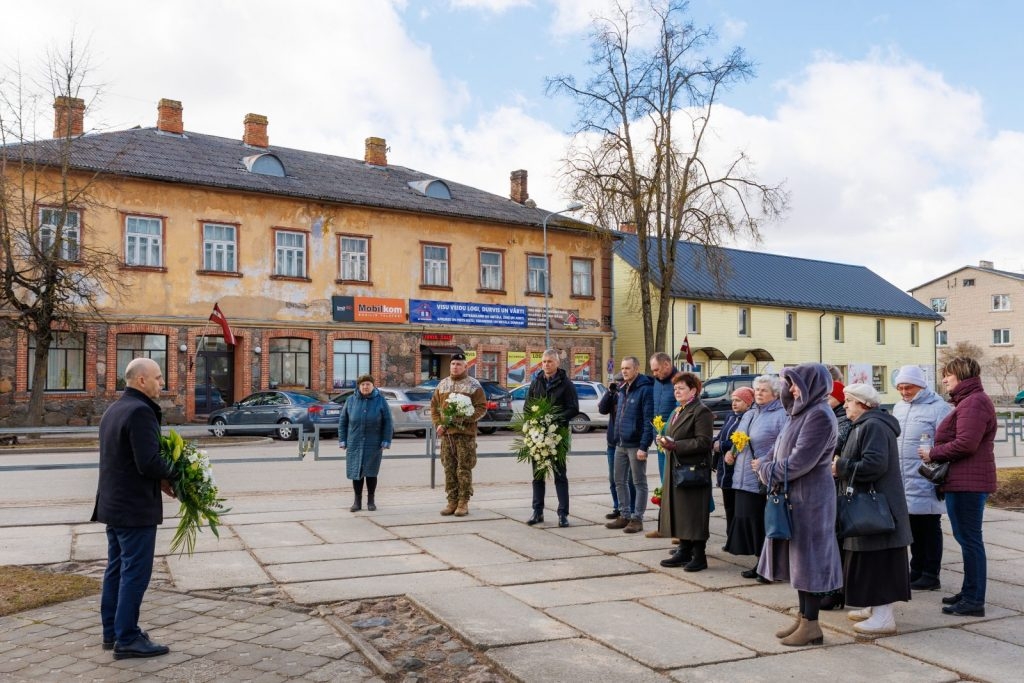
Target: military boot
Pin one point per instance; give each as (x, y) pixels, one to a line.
(463, 509)
(449, 509)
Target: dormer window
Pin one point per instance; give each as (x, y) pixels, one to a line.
(437, 189)
(264, 164)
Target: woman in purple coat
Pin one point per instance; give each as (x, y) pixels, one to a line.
(803, 456)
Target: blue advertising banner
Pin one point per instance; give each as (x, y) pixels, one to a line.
(466, 313)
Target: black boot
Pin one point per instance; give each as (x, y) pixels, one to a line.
(370, 505)
(834, 600)
(682, 556)
(700, 560)
(357, 504)
(537, 518)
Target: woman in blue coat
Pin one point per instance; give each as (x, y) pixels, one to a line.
(365, 430)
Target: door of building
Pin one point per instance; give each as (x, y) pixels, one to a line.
(215, 378)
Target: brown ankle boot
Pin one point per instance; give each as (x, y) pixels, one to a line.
(807, 633)
(782, 633)
(449, 509)
(463, 509)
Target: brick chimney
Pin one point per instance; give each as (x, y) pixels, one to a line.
(68, 116)
(376, 152)
(628, 227)
(519, 194)
(256, 131)
(168, 118)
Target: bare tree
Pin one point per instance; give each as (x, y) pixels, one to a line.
(1004, 368)
(644, 150)
(962, 349)
(50, 280)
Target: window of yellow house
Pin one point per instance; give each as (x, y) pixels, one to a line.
(66, 224)
(878, 377)
(583, 278)
(435, 264)
(289, 363)
(537, 269)
(220, 248)
(290, 256)
(914, 335)
(492, 270)
(790, 325)
(879, 331)
(487, 366)
(144, 241)
(132, 346)
(838, 332)
(354, 258)
(693, 318)
(65, 362)
(941, 337)
(351, 360)
(744, 322)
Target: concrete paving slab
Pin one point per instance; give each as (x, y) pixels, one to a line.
(1004, 534)
(348, 530)
(853, 663)
(50, 514)
(317, 592)
(922, 613)
(468, 550)
(996, 592)
(346, 569)
(717, 576)
(601, 589)
(443, 528)
(778, 596)
(970, 654)
(275, 535)
(333, 551)
(537, 543)
(1010, 629)
(615, 541)
(93, 545)
(487, 617)
(586, 531)
(573, 659)
(1007, 571)
(751, 626)
(227, 569)
(432, 517)
(554, 570)
(648, 636)
(289, 515)
(35, 544)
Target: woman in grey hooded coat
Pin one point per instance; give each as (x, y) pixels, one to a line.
(803, 456)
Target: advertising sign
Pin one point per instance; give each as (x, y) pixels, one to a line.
(365, 309)
(581, 366)
(535, 358)
(516, 367)
(466, 313)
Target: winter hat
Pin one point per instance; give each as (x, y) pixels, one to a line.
(865, 393)
(745, 394)
(911, 374)
(364, 378)
(838, 392)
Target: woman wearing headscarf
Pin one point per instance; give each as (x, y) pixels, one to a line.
(742, 399)
(365, 429)
(919, 413)
(965, 439)
(875, 572)
(803, 456)
(762, 424)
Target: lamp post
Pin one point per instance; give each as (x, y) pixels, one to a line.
(575, 206)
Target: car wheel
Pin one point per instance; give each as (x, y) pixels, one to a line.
(218, 428)
(487, 430)
(286, 432)
(421, 434)
(580, 424)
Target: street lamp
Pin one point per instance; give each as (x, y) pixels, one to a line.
(575, 206)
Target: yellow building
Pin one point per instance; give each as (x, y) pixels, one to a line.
(325, 268)
(766, 312)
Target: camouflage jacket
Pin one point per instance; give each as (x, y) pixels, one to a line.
(468, 386)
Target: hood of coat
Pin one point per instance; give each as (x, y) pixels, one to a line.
(965, 388)
(924, 397)
(814, 382)
(372, 394)
(881, 418)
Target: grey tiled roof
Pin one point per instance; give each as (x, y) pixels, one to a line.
(212, 161)
(772, 280)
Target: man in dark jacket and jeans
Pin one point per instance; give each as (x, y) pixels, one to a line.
(132, 474)
(553, 384)
(634, 433)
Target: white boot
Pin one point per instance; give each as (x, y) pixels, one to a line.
(882, 622)
(859, 614)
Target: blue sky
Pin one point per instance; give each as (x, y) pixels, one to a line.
(898, 127)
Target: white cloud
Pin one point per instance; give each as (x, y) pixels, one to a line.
(495, 6)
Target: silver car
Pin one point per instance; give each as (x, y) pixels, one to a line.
(589, 395)
(410, 407)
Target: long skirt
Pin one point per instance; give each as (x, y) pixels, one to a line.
(747, 533)
(877, 577)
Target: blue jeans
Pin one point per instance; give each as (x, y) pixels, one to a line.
(129, 568)
(965, 512)
(627, 465)
(626, 510)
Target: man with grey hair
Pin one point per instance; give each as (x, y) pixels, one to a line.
(552, 383)
(664, 398)
(634, 433)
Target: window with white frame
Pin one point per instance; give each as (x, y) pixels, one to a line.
(743, 327)
(487, 366)
(693, 318)
(65, 362)
(143, 241)
(1000, 337)
(1000, 302)
(880, 331)
(914, 339)
(435, 265)
(838, 325)
(289, 362)
(355, 258)
(941, 337)
(969, 282)
(878, 378)
(220, 246)
(351, 360)
(582, 277)
(290, 253)
(492, 275)
(790, 325)
(536, 274)
(132, 346)
(67, 224)
(940, 305)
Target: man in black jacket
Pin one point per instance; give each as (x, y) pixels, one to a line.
(132, 474)
(553, 384)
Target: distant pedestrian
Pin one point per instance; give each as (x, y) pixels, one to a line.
(132, 474)
(458, 439)
(552, 383)
(365, 430)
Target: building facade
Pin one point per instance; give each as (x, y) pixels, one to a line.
(325, 268)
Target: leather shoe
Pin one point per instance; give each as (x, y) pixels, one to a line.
(140, 647)
(109, 644)
(926, 583)
(538, 518)
(563, 520)
(951, 599)
(614, 514)
(749, 573)
(965, 609)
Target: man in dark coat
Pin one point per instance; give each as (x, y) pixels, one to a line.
(132, 474)
(553, 384)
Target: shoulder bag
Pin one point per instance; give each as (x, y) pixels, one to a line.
(692, 476)
(778, 512)
(863, 513)
(935, 473)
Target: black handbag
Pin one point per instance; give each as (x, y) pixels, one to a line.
(936, 473)
(863, 513)
(691, 476)
(778, 512)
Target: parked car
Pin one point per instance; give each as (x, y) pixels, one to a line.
(717, 394)
(589, 394)
(285, 408)
(410, 408)
(499, 405)
(1019, 399)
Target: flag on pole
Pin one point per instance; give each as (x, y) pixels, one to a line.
(684, 350)
(218, 317)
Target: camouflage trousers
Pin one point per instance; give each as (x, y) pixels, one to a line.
(458, 456)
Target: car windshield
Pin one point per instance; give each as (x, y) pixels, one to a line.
(519, 393)
(303, 399)
(493, 390)
(419, 395)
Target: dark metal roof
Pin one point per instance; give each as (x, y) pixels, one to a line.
(782, 281)
(210, 161)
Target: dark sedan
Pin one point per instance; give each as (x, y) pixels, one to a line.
(499, 405)
(283, 408)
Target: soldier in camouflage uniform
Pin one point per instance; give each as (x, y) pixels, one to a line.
(458, 440)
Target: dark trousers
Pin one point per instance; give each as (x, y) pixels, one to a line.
(729, 501)
(966, 511)
(926, 549)
(129, 568)
(561, 489)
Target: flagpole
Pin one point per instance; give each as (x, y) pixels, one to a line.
(200, 344)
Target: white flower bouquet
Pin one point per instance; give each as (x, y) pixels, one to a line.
(543, 441)
(456, 409)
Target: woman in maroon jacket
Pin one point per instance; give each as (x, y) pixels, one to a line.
(964, 439)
